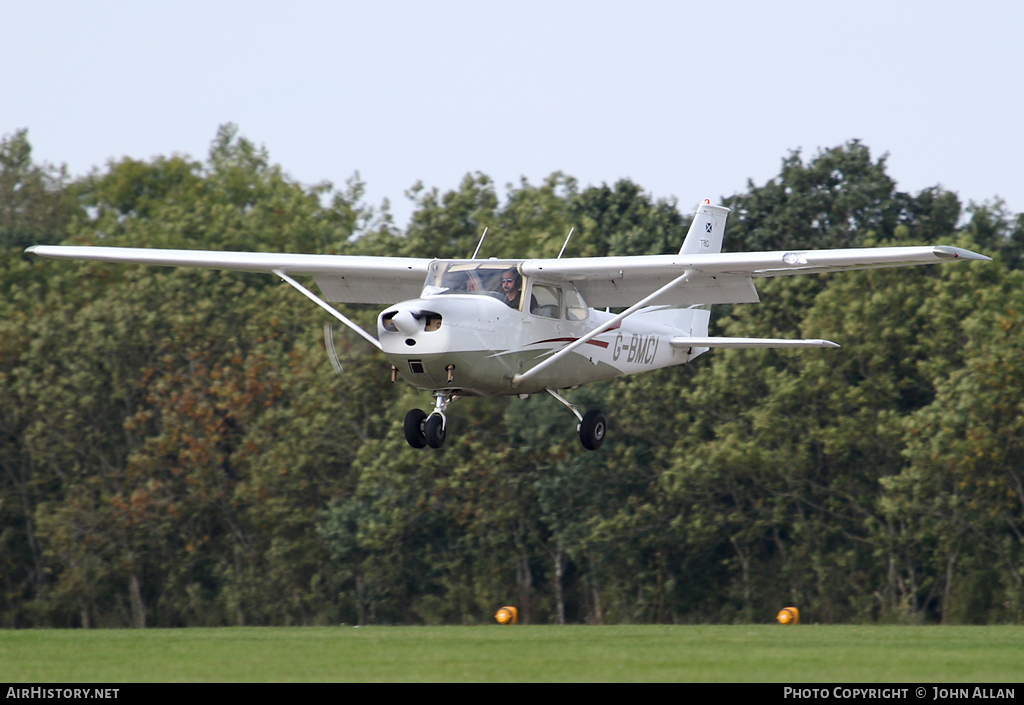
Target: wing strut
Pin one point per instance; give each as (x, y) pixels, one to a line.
(327, 307)
(681, 279)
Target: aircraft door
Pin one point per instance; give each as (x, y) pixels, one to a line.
(543, 324)
(557, 315)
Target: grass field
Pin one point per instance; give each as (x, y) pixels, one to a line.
(856, 654)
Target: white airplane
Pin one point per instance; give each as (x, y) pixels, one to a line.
(490, 327)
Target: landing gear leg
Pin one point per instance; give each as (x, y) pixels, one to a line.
(422, 430)
(592, 427)
(436, 425)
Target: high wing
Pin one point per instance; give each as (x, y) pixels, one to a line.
(604, 281)
(720, 278)
(345, 279)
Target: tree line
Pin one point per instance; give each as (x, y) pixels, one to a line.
(175, 449)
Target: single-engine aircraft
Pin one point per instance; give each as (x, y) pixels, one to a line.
(487, 327)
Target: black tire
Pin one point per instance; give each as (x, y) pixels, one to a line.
(414, 428)
(593, 430)
(434, 431)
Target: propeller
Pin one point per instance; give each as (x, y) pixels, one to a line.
(332, 354)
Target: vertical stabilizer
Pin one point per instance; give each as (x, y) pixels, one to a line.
(706, 230)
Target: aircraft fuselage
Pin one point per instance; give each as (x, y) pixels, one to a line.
(474, 344)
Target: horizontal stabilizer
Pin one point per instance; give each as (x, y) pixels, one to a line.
(688, 342)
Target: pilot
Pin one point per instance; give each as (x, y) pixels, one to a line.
(510, 287)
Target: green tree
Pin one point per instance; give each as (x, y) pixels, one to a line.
(35, 203)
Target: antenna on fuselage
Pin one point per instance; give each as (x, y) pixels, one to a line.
(566, 243)
(477, 250)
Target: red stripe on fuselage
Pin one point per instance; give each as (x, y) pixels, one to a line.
(598, 343)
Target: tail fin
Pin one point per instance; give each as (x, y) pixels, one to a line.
(706, 230)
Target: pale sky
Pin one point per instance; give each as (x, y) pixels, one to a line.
(688, 99)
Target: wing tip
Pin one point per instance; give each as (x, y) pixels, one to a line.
(949, 252)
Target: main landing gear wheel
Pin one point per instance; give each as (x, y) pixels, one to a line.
(414, 428)
(434, 430)
(593, 429)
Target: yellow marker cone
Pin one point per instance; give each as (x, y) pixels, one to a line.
(789, 615)
(507, 615)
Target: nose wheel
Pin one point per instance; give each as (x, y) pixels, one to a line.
(414, 434)
(422, 430)
(433, 430)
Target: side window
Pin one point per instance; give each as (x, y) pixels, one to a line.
(575, 308)
(545, 301)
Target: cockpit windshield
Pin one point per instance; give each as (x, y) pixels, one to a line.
(475, 278)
